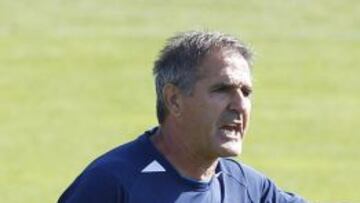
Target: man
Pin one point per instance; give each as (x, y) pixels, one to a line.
(203, 86)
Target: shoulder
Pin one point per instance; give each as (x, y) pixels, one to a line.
(110, 175)
(94, 184)
(248, 176)
(123, 162)
(259, 186)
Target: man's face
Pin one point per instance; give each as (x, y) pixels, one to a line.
(216, 114)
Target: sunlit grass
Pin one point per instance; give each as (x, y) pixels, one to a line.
(75, 81)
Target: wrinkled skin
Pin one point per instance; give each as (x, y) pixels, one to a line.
(216, 115)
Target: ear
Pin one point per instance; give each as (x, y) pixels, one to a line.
(173, 99)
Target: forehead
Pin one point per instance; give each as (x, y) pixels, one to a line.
(225, 66)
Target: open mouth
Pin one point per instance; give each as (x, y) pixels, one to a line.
(233, 129)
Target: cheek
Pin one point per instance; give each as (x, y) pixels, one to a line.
(206, 111)
(219, 101)
(247, 105)
(247, 112)
(216, 108)
(198, 113)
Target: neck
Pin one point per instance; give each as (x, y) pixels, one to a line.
(187, 162)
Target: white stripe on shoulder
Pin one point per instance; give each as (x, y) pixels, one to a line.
(154, 166)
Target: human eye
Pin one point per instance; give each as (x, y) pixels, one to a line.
(246, 91)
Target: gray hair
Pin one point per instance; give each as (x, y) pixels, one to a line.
(178, 61)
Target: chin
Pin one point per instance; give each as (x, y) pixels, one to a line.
(231, 150)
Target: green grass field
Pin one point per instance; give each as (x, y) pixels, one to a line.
(75, 81)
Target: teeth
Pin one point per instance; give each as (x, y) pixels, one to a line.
(232, 129)
(231, 134)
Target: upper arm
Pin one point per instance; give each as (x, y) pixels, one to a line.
(262, 189)
(271, 193)
(95, 185)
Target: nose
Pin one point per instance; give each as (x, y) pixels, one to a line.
(238, 102)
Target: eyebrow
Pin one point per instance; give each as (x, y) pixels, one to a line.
(230, 85)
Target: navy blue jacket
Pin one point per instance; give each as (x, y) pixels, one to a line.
(137, 172)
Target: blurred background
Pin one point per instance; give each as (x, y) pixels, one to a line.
(75, 81)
